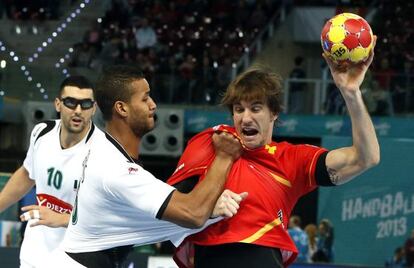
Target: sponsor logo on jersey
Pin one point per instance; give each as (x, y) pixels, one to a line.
(270, 149)
(132, 170)
(84, 166)
(53, 203)
(280, 216)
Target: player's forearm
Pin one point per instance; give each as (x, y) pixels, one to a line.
(365, 140)
(63, 220)
(205, 195)
(202, 199)
(17, 186)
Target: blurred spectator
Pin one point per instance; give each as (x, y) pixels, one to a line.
(146, 61)
(409, 250)
(385, 74)
(224, 74)
(32, 10)
(402, 95)
(382, 100)
(3, 9)
(335, 103)
(366, 90)
(82, 55)
(145, 36)
(119, 13)
(187, 80)
(110, 51)
(390, 22)
(209, 89)
(377, 100)
(296, 89)
(397, 260)
(171, 15)
(94, 36)
(167, 81)
(299, 237)
(324, 252)
(312, 232)
(209, 31)
(258, 17)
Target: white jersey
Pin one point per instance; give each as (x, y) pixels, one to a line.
(56, 172)
(119, 203)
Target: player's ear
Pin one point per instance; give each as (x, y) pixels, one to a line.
(94, 108)
(121, 108)
(57, 105)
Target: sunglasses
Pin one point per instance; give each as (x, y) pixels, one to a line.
(72, 103)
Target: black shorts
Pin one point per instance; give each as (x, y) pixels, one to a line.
(240, 255)
(109, 258)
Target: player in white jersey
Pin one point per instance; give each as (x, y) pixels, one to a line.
(119, 203)
(56, 151)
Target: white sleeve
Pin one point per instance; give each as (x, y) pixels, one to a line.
(28, 161)
(140, 190)
(179, 237)
(145, 193)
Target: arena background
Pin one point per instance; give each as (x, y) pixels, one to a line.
(200, 46)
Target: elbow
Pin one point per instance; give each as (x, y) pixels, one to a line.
(197, 220)
(193, 218)
(197, 225)
(372, 161)
(376, 160)
(193, 223)
(187, 211)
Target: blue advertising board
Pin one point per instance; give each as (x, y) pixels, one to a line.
(373, 214)
(197, 120)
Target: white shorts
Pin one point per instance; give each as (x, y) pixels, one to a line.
(24, 264)
(60, 259)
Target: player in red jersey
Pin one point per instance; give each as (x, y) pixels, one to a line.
(275, 174)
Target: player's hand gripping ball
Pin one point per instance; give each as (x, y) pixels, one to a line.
(347, 38)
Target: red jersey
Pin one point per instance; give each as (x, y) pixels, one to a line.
(275, 176)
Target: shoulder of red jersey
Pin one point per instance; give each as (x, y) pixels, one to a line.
(209, 131)
(198, 154)
(288, 145)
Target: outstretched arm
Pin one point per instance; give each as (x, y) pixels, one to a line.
(17, 186)
(345, 163)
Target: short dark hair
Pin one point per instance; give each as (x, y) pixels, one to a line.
(78, 81)
(114, 84)
(257, 83)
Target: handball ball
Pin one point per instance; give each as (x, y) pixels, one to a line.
(347, 38)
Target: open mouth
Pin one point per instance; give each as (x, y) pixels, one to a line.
(249, 131)
(77, 120)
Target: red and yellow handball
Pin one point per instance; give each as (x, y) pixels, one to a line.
(347, 38)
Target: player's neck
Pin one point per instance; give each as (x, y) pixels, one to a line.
(125, 137)
(68, 139)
